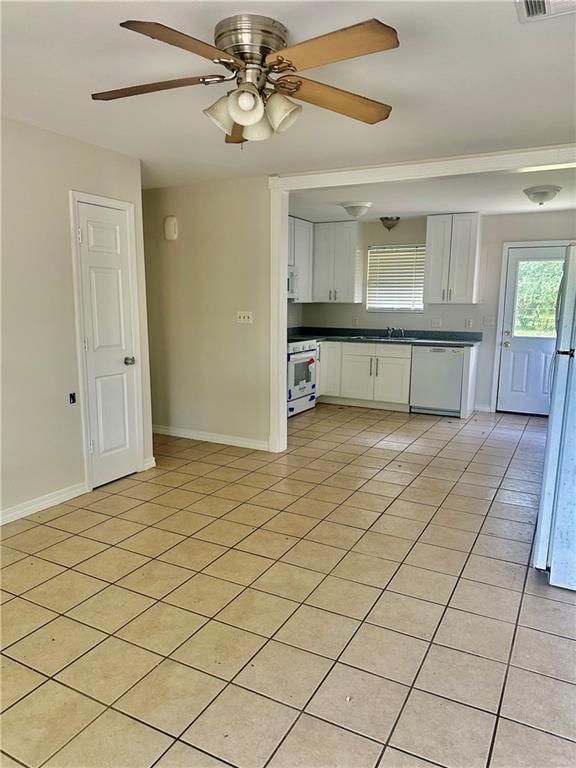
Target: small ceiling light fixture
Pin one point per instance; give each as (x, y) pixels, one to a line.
(389, 222)
(356, 210)
(542, 193)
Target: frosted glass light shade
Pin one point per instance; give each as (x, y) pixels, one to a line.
(259, 131)
(219, 115)
(237, 102)
(282, 112)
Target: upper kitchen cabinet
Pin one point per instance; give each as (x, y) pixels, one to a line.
(300, 245)
(452, 257)
(337, 270)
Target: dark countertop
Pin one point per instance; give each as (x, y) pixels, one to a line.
(376, 336)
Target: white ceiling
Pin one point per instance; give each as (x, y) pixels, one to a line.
(467, 78)
(487, 193)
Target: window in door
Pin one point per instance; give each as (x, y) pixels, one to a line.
(537, 286)
(395, 278)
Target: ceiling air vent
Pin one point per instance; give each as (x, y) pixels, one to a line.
(532, 10)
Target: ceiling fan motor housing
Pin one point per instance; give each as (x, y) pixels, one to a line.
(250, 37)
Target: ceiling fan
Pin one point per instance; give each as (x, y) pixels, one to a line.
(253, 49)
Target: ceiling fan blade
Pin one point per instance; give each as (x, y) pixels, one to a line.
(171, 36)
(334, 99)
(164, 85)
(236, 136)
(361, 39)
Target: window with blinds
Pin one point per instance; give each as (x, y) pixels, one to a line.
(395, 278)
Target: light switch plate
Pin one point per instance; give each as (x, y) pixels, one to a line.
(435, 323)
(468, 322)
(245, 317)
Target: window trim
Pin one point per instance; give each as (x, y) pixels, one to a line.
(390, 310)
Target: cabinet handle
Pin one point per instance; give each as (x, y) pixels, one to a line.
(319, 353)
(335, 294)
(377, 366)
(450, 294)
(443, 293)
(371, 359)
(329, 295)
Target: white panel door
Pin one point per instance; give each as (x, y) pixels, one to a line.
(111, 368)
(323, 272)
(392, 379)
(463, 258)
(357, 377)
(529, 330)
(438, 234)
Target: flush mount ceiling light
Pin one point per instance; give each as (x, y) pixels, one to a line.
(389, 222)
(254, 51)
(356, 210)
(542, 194)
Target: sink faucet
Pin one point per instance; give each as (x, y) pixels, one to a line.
(390, 332)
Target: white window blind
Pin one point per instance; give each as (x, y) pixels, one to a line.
(395, 277)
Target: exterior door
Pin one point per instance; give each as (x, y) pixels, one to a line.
(529, 330)
(110, 365)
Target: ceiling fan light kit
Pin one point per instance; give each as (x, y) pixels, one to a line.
(253, 49)
(220, 116)
(389, 222)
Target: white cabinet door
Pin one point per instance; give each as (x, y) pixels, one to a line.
(438, 238)
(347, 263)
(329, 357)
(323, 271)
(290, 241)
(357, 378)
(392, 379)
(303, 243)
(462, 280)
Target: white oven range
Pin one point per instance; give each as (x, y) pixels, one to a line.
(301, 376)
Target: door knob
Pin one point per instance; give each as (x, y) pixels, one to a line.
(506, 344)
(130, 360)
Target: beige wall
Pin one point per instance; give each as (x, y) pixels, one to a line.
(41, 433)
(496, 230)
(210, 374)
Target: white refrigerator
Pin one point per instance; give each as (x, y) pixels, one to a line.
(555, 541)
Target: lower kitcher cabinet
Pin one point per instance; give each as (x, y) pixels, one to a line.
(381, 378)
(392, 379)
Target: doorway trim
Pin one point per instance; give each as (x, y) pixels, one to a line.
(75, 198)
(280, 186)
(506, 247)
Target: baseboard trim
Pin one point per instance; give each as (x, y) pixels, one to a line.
(149, 463)
(212, 437)
(42, 502)
(372, 404)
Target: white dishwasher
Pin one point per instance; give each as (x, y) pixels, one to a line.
(436, 380)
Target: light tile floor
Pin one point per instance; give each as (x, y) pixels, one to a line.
(362, 599)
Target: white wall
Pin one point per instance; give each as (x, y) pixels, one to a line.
(496, 230)
(209, 374)
(41, 433)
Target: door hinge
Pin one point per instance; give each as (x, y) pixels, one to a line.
(79, 234)
(91, 446)
(85, 345)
